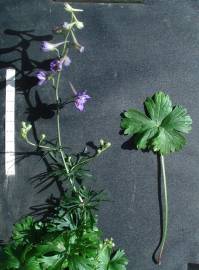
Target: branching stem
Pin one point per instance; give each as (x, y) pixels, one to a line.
(58, 120)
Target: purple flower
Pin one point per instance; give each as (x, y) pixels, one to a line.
(66, 61)
(80, 99)
(56, 65)
(42, 77)
(47, 46)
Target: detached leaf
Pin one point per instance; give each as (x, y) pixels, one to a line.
(158, 106)
(162, 128)
(178, 119)
(168, 141)
(135, 121)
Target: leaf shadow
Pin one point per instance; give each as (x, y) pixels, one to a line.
(17, 57)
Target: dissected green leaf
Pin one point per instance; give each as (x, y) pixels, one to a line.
(9, 259)
(108, 260)
(103, 258)
(22, 229)
(161, 130)
(77, 262)
(31, 264)
(118, 261)
(54, 262)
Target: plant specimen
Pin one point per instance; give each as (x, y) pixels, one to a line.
(68, 238)
(160, 130)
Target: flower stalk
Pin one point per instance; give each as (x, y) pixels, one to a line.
(64, 51)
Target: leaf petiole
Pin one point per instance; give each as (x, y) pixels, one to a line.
(165, 216)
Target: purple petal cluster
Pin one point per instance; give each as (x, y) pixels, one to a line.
(47, 46)
(66, 61)
(56, 65)
(42, 77)
(80, 100)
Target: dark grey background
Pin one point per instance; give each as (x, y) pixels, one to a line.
(131, 51)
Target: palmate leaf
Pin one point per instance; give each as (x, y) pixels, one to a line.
(162, 128)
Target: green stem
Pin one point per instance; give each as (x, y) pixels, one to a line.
(40, 146)
(85, 161)
(165, 218)
(58, 122)
(58, 129)
(59, 136)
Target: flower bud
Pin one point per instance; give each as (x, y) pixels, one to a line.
(29, 126)
(68, 26)
(99, 151)
(43, 136)
(70, 9)
(79, 25)
(48, 46)
(79, 47)
(23, 124)
(25, 129)
(108, 144)
(101, 142)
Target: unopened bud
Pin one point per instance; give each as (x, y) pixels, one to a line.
(101, 142)
(71, 9)
(108, 144)
(79, 25)
(43, 136)
(99, 151)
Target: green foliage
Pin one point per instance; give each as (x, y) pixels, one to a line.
(72, 249)
(76, 164)
(22, 231)
(161, 128)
